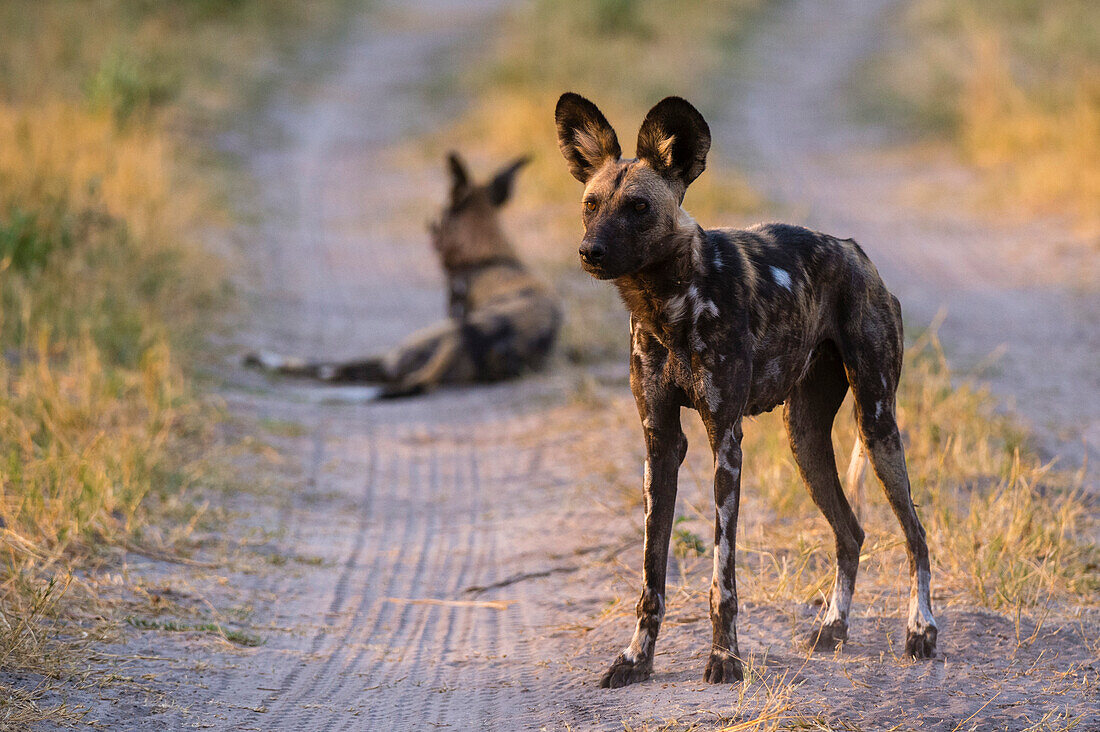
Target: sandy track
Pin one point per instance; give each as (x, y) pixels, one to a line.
(391, 638)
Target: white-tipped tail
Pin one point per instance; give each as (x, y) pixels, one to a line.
(270, 361)
(854, 478)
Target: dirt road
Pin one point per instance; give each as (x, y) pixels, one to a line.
(391, 515)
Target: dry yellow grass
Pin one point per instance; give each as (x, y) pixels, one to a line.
(625, 56)
(1016, 87)
(1006, 531)
(103, 285)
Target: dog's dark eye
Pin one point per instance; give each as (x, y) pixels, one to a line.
(640, 206)
(590, 205)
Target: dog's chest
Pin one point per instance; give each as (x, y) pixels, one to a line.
(717, 363)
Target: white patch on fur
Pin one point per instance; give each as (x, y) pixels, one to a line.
(273, 361)
(726, 510)
(722, 455)
(700, 305)
(723, 552)
(685, 221)
(841, 603)
(920, 606)
(675, 308)
(782, 278)
(772, 370)
(721, 556)
(725, 464)
(641, 645)
(878, 409)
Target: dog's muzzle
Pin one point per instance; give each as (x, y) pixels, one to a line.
(592, 253)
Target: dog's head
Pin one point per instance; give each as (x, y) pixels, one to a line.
(468, 231)
(631, 208)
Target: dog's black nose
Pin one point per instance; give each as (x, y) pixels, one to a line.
(592, 252)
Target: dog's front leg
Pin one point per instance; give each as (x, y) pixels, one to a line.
(724, 664)
(666, 446)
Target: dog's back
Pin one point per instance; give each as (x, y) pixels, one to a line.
(506, 319)
(502, 320)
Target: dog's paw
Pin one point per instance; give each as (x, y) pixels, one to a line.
(827, 637)
(625, 671)
(723, 668)
(921, 643)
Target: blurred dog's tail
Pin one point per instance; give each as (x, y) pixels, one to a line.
(854, 478)
(367, 371)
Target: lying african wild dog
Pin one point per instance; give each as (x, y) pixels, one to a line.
(734, 323)
(502, 320)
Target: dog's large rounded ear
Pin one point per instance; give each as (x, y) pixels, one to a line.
(460, 176)
(500, 187)
(674, 140)
(585, 137)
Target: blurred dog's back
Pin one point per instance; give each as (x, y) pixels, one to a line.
(502, 320)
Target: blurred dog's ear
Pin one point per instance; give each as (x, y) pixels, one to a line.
(585, 137)
(500, 187)
(674, 140)
(460, 177)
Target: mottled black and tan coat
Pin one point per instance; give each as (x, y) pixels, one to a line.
(733, 323)
(502, 321)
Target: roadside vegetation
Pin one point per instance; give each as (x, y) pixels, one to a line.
(104, 293)
(1015, 88)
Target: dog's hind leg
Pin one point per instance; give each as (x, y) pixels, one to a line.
(809, 416)
(428, 374)
(875, 389)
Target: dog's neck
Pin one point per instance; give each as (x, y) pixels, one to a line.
(660, 295)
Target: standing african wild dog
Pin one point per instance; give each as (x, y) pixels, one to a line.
(734, 323)
(502, 321)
